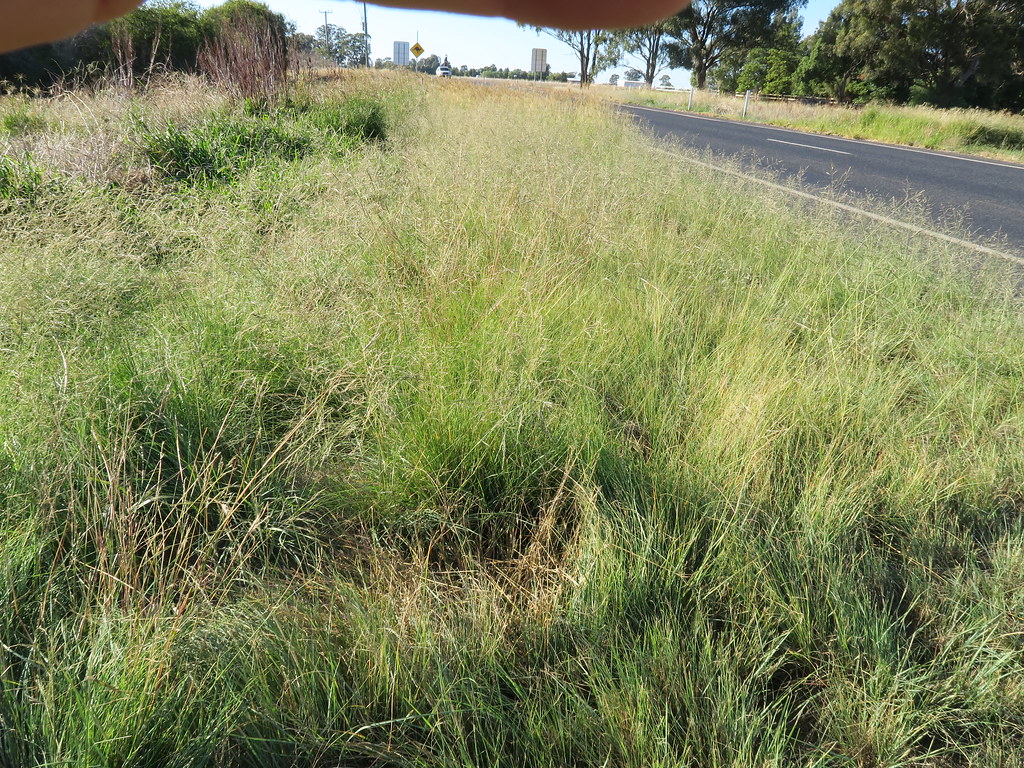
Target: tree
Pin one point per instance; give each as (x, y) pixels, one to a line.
(943, 52)
(331, 42)
(247, 12)
(707, 29)
(666, 81)
(725, 75)
(301, 42)
(634, 75)
(596, 49)
(429, 64)
(165, 32)
(648, 45)
(769, 71)
(613, 80)
(770, 68)
(964, 50)
(343, 48)
(358, 50)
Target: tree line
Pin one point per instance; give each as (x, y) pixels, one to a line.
(950, 53)
(966, 53)
(177, 35)
(428, 65)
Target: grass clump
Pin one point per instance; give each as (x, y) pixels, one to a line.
(356, 117)
(19, 122)
(20, 181)
(221, 149)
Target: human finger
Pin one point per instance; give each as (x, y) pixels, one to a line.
(29, 22)
(565, 14)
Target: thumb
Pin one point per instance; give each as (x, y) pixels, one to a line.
(29, 22)
(566, 14)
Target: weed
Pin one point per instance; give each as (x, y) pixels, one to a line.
(21, 122)
(221, 149)
(355, 117)
(20, 182)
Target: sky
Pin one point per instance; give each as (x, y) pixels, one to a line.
(473, 41)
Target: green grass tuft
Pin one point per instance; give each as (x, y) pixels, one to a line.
(21, 122)
(20, 181)
(219, 150)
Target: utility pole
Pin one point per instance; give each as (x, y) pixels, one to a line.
(327, 34)
(366, 38)
(327, 37)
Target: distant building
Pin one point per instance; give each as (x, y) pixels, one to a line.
(539, 61)
(401, 57)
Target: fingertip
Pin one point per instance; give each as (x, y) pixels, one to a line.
(590, 14)
(565, 14)
(111, 9)
(31, 22)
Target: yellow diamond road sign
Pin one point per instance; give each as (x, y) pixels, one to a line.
(417, 50)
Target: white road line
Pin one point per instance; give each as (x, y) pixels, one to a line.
(862, 142)
(850, 209)
(807, 146)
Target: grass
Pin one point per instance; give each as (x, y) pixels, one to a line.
(495, 441)
(19, 181)
(222, 147)
(972, 131)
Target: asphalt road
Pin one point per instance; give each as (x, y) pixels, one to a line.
(985, 196)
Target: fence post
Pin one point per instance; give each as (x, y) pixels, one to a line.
(746, 103)
(689, 104)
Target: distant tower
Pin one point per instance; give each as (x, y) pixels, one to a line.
(539, 61)
(401, 57)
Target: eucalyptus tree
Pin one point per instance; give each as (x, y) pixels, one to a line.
(648, 45)
(595, 49)
(769, 68)
(943, 52)
(706, 30)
